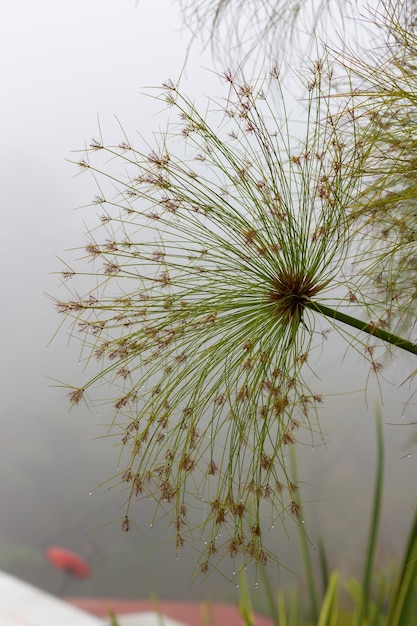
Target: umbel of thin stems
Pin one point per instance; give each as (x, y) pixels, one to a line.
(217, 256)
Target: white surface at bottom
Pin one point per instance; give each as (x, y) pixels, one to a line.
(22, 604)
(149, 618)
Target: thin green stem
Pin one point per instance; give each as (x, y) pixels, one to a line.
(305, 550)
(371, 329)
(363, 616)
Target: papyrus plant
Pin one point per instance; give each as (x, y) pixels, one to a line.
(219, 252)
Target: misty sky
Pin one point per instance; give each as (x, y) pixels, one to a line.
(64, 64)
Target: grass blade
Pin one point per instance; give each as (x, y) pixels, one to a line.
(329, 611)
(305, 552)
(245, 606)
(276, 609)
(324, 566)
(364, 611)
(403, 599)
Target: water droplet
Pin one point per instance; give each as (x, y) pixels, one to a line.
(312, 448)
(273, 526)
(237, 586)
(233, 573)
(90, 493)
(408, 456)
(151, 525)
(302, 521)
(177, 558)
(205, 543)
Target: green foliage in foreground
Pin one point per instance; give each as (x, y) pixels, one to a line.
(381, 598)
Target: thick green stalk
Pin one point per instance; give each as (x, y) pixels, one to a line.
(371, 329)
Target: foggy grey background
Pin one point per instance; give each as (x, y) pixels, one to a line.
(63, 65)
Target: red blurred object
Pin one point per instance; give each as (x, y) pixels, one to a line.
(68, 561)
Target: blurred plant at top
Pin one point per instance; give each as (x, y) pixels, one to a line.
(252, 30)
(224, 257)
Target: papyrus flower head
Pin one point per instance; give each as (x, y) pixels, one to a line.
(212, 248)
